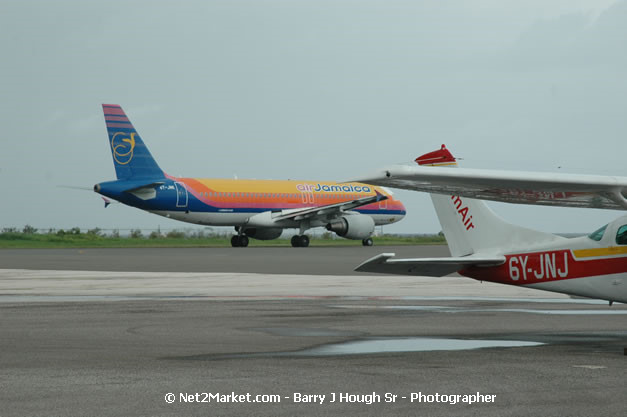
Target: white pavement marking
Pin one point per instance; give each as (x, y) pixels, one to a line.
(21, 282)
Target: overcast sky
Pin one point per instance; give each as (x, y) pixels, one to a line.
(320, 90)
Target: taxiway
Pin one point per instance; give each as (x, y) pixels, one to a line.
(104, 342)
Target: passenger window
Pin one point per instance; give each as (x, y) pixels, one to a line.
(621, 235)
(598, 234)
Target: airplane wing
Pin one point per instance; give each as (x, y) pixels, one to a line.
(430, 267)
(551, 189)
(330, 209)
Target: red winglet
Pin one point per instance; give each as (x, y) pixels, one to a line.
(441, 156)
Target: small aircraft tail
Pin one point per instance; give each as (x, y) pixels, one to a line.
(469, 225)
(131, 158)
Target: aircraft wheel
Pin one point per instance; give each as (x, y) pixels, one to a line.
(295, 241)
(238, 241)
(367, 242)
(304, 241)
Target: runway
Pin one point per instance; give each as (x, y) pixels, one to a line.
(118, 343)
(268, 260)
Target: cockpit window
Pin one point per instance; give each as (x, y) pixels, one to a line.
(621, 235)
(598, 234)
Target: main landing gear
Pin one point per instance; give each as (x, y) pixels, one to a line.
(367, 242)
(300, 241)
(239, 241)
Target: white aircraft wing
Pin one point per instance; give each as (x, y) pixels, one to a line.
(569, 190)
(430, 267)
(329, 209)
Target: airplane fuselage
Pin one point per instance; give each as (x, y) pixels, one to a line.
(579, 266)
(487, 248)
(258, 209)
(228, 202)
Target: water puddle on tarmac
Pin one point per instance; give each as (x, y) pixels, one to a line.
(409, 344)
(381, 345)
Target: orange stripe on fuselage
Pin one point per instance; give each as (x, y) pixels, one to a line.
(598, 252)
(277, 186)
(283, 194)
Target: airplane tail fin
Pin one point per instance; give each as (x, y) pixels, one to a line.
(469, 225)
(131, 157)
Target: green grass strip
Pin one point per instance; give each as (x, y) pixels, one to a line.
(17, 240)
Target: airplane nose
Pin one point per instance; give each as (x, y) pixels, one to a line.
(402, 209)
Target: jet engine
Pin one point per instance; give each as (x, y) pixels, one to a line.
(358, 226)
(263, 233)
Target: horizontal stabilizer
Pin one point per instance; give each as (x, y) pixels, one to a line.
(430, 267)
(145, 187)
(145, 192)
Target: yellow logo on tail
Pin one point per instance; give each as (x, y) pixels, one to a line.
(123, 147)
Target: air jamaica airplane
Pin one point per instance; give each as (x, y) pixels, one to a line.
(258, 209)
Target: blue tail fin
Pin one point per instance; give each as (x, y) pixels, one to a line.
(131, 157)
